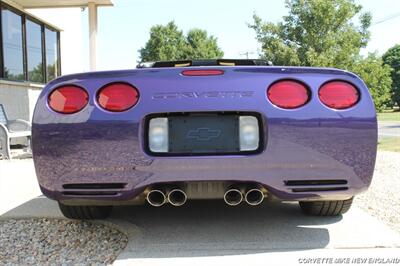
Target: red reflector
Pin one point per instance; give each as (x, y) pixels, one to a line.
(68, 99)
(118, 97)
(288, 94)
(338, 94)
(203, 72)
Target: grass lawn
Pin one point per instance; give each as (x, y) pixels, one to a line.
(389, 144)
(389, 116)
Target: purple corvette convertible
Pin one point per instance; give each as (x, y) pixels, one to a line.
(236, 130)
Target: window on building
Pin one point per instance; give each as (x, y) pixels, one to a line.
(13, 62)
(51, 54)
(34, 51)
(29, 49)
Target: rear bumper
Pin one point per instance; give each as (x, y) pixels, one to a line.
(110, 152)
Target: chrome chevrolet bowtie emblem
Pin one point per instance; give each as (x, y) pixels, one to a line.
(203, 134)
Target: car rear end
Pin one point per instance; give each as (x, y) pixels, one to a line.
(171, 134)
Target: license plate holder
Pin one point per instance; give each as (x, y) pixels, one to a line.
(204, 134)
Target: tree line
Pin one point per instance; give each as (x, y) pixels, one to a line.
(314, 33)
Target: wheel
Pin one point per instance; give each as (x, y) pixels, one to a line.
(326, 208)
(85, 212)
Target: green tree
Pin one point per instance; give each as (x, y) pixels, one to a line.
(392, 58)
(11, 76)
(169, 43)
(36, 74)
(377, 77)
(165, 43)
(200, 45)
(315, 33)
(322, 33)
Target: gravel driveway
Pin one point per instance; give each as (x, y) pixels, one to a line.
(382, 199)
(58, 242)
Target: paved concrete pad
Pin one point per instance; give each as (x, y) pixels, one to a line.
(18, 183)
(302, 257)
(389, 129)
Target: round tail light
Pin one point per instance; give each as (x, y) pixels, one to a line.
(118, 97)
(68, 99)
(288, 94)
(338, 94)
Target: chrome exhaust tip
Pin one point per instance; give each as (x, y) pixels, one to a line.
(156, 198)
(177, 197)
(233, 197)
(254, 196)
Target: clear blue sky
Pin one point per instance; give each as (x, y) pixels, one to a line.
(124, 28)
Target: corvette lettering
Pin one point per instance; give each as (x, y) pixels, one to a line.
(205, 94)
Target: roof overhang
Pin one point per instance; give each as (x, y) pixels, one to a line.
(59, 3)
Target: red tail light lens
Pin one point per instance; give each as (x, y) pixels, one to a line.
(288, 94)
(203, 72)
(338, 94)
(118, 97)
(68, 99)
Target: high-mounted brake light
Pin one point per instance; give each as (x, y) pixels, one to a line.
(68, 99)
(338, 94)
(288, 94)
(118, 97)
(203, 72)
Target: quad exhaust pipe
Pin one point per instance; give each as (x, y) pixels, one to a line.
(177, 197)
(233, 196)
(252, 196)
(158, 197)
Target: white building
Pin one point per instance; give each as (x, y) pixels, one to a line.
(40, 40)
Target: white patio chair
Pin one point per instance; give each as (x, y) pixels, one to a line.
(10, 129)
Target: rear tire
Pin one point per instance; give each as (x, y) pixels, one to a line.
(325, 208)
(85, 212)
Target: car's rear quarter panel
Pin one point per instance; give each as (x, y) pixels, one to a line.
(310, 142)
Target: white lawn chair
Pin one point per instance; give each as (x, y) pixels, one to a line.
(10, 129)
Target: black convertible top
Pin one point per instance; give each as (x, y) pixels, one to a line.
(206, 62)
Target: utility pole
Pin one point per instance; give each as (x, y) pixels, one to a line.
(247, 53)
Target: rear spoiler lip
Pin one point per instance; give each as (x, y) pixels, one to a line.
(205, 62)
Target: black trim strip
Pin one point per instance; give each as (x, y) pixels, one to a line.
(24, 48)
(320, 182)
(1, 44)
(317, 189)
(90, 193)
(94, 186)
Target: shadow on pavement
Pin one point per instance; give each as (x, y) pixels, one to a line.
(211, 228)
